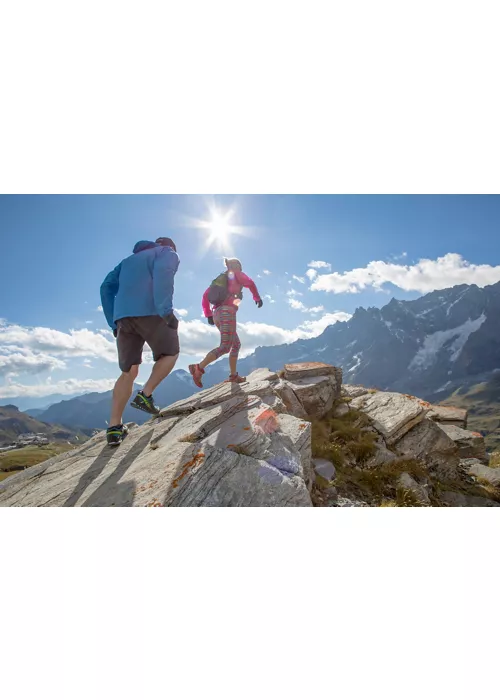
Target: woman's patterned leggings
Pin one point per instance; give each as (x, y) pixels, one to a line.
(225, 320)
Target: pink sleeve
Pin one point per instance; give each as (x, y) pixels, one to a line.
(245, 281)
(205, 305)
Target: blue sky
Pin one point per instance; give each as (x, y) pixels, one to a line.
(56, 250)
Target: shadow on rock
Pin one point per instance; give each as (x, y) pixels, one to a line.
(110, 492)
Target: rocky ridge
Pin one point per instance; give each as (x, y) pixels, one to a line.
(293, 438)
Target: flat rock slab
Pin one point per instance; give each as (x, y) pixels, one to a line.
(352, 391)
(476, 468)
(392, 415)
(262, 375)
(217, 395)
(302, 370)
(449, 414)
(455, 499)
(469, 444)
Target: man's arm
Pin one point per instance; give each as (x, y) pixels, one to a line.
(109, 290)
(164, 269)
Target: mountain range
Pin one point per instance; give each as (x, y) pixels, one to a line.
(14, 422)
(441, 344)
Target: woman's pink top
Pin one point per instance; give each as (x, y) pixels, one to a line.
(236, 281)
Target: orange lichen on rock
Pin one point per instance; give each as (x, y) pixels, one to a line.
(195, 462)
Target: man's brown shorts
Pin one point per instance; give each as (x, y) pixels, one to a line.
(135, 331)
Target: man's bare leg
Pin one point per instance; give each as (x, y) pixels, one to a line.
(161, 369)
(122, 393)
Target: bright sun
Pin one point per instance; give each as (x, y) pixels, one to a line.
(220, 228)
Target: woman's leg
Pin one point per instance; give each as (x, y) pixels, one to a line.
(233, 355)
(225, 320)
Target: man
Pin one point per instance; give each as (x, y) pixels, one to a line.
(137, 300)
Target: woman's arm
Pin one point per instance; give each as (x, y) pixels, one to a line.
(248, 283)
(205, 305)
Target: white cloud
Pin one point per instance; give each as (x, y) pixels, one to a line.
(99, 308)
(294, 293)
(75, 343)
(89, 323)
(425, 276)
(14, 362)
(311, 329)
(269, 298)
(181, 312)
(35, 350)
(311, 274)
(66, 386)
(197, 338)
(299, 279)
(266, 272)
(297, 305)
(319, 264)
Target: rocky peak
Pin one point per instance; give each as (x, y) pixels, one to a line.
(293, 438)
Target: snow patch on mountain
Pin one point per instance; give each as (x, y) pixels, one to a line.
(357, 359)
(434, 342)
(456, 302)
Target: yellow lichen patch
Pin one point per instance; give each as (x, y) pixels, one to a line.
(495, 460)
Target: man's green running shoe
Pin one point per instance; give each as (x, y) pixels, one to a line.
(116, 434)
(146, 404)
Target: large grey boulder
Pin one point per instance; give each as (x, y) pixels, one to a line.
(428, 443)
(232, 445)
(469, 444)
(177, 461)
(408, 484)
(382, 455)
(312, 396)
(392, 415)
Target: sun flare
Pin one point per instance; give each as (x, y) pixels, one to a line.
(219, 229)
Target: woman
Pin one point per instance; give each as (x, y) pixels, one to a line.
(223, 316)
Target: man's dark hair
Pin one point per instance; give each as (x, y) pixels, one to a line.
(166, 242)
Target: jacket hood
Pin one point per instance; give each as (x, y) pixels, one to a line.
(144, 245)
